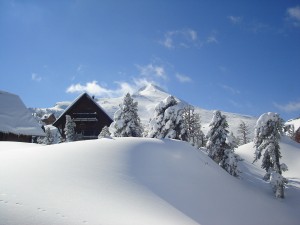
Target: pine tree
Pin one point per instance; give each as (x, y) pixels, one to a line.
(48, 140)
(70, 129)
(243, 132)
(234, 141)
(168, 121)
(193, 126)
(104, 133)
(127, 123)
(268, 130)
(216, 136)
(220, 145)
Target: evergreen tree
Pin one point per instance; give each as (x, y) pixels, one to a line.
(70, 129)
(216, 137)
(234, 141)
(126, 120)
(243, 132)
(220, 145)
(193, 126)
(49, 139)
(268, 130)
(168, 121)
(104, 133)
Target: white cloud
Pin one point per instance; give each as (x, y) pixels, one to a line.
(35, 77)
(151, 70)
(230, 89)
(122, 88)
(183, 78)
(212, 39)
(294, 15)
(183, 37)
(90, 87)
(235, 19)
(290, 107)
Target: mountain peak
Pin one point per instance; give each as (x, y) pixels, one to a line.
(150, 88)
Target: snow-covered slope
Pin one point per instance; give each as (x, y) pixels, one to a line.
(135, 181)
(290, 151)
(148, 97)
(295, 122)
(16, 118)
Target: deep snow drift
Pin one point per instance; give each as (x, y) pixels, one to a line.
(137, 181)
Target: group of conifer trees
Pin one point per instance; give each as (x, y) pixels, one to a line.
(173, 119)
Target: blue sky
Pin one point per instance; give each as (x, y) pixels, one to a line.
(236, 56)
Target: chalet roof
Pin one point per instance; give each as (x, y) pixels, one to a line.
(16, 118)
(64, 113)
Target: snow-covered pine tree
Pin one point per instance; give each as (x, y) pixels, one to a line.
(48, 140)
(243, 132)
(234, 141)
(167, 121)
(127, 122)
(70, 129)
(216, 137)
(268, 130)
(192, 125)
(220, 145)
(104, 133)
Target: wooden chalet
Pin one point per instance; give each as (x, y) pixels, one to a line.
(89, 117)
(48, 119)
(16, 121)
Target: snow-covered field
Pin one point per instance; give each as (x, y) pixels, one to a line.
(138, 181)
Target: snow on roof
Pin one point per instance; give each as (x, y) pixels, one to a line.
(15, 117)
(73, 103)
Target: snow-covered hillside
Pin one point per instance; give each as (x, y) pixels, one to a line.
(148, 97)
(295, 122)
(138, 181)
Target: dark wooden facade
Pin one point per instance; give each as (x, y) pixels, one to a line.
(15, 137)
(89, 117)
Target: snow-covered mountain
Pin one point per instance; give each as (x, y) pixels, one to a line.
(139, 181)
(148, 97)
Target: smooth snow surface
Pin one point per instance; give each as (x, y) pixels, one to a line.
(136, 181)
(15, 117)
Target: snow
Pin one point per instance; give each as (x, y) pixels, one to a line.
(139, 181)
(295, 122)
(148, 97)
(15, 117)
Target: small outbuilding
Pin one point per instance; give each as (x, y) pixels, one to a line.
(88, 115)
(48, 119)
(16, 121)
